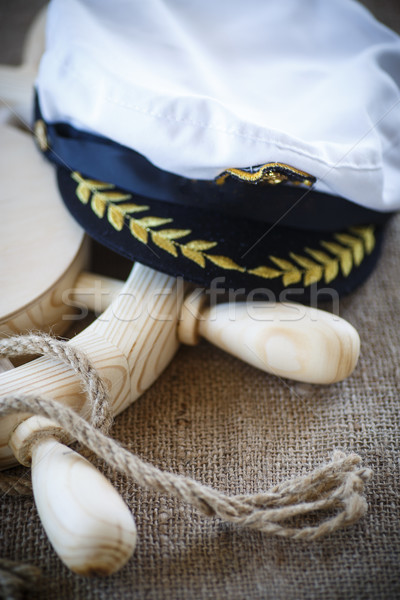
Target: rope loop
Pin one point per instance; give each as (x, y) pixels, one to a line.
(336, 487)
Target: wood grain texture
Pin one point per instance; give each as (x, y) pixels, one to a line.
(130, 345)
(42, 248)
(86, 520)
(288, 340)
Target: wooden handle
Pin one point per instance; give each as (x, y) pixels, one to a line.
(136, 337)
(130, 345)
(87, 522)
(288, 340)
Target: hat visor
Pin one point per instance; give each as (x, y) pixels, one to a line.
(202, 245)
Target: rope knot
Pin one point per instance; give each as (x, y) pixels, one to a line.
(92, 384)
(336, 486)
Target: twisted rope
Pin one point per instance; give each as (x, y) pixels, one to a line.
(338, 485)
(93, 386)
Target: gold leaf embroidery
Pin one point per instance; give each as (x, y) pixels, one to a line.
(346, 262)
(83, 192)
(224, 262)
(355, 244)
(92, 184)
(131, 208)
(303, 261)
(152, 221)
(174, 234)
(291, 274)
(331, 264)
(367, 234)
(344, 255)
(291, 277)
(313, 275)
(163, 239)
(266, 272)
(200, 245)
(347, 251)
(313, 271)
(285, 265)
(138, 231)
(88, 186)
(98, 205)
(164, 243)
(115, 216)
(115, 196)
(194, 255)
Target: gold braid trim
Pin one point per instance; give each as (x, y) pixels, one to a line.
(341, 255)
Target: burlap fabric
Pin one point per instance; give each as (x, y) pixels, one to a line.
(227, 425)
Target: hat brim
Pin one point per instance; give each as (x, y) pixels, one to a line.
(201, 245)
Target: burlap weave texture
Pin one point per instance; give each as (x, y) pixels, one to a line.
(228, 425)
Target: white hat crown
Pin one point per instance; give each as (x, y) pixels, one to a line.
(199, 87)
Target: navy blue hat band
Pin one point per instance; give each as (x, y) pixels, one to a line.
(291, 205)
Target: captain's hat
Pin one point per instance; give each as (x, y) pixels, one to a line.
(254, 141)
